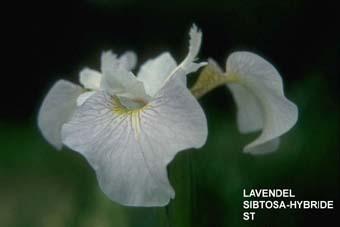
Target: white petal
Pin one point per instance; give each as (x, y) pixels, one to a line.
(260, 99)
(130, 151)
(188, 65)
(264, 148)
(154, 72)
(83, 97)
(249, 112)
(129, 60)
(56, 109)
(250, 116)
(117, 80)
(90, 79)
(194, 47)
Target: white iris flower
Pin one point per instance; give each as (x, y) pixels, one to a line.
(258, 92)
(128, 127)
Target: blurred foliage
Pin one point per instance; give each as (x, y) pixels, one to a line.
(43, 187)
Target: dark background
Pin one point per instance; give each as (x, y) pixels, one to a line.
(52, 40)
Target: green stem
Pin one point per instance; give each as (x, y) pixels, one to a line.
(167, 213)
(193, 194)
(164, 216)
(180, 209)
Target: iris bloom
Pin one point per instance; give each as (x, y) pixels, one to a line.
(257, 89)
(129, 127)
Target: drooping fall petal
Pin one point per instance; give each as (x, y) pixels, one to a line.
(260, 100)
(130, 149)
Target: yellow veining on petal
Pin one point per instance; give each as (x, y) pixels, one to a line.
(134, 114)
(209, 79)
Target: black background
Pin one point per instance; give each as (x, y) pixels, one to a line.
(50, 40)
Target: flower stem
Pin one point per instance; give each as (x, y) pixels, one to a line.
(164, 216)
(167, 213)
(180, 209)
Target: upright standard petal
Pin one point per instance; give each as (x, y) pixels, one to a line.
(56, 109)
(194, 46)
(260, 100)
(90, 78)
(130, 149)
(188, 65)
(117, 80)
(154, 72)
(129, 60)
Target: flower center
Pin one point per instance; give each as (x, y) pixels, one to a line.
(129, 109)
